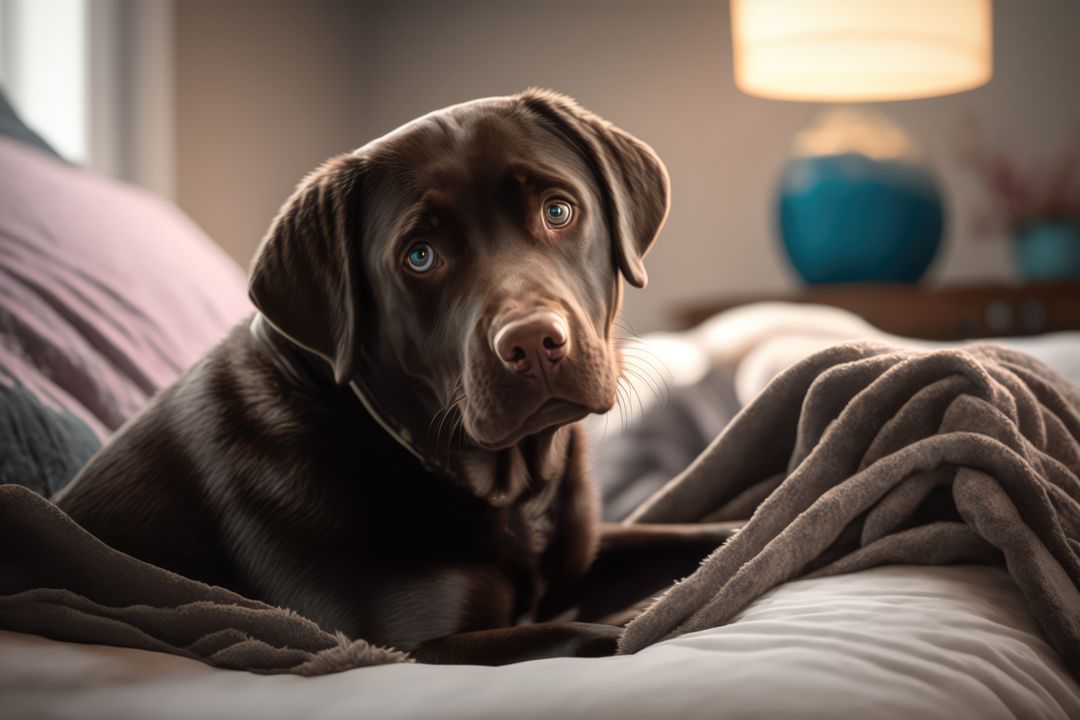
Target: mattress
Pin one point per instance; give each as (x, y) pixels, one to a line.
(892, 642)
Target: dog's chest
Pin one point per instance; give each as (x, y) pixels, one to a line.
(534, 528)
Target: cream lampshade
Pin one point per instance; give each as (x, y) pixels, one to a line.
(860, 50)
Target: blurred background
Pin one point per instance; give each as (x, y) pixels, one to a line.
(223, 106)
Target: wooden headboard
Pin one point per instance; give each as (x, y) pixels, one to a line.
(952, 313)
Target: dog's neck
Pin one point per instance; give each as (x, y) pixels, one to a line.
(528, 468)
(498, 476)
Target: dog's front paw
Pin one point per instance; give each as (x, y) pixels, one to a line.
(594, 639)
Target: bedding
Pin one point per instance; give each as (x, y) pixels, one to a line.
(58, 580)
(634, 453)
(861, 455)
(106, 295)
(948, 642)
(897, 641)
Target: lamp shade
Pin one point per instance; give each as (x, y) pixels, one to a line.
(860, 50)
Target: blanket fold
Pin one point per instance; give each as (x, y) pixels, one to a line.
(872, 455)
(857, 456)
(59, 581)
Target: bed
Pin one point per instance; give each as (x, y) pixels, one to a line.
(109, 299)
(895, 642)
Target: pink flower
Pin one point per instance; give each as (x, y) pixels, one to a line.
(1019, 197)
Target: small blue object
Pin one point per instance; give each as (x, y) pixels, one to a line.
(1048, 251)
(848, 218)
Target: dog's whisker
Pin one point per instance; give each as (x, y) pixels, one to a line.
(628, 388)
(439, 415)
(438, 432)
(458, 423)
(646, 380)
(663, 378)
(637, 395)
(618, 399)
(657, 382)
(624, 400)
(433, 419)
(639, 365)
(445, 414)
(452, 417)
(457, 394)
(646, 356)
(459, 420)
(640, 348)
(427, 433)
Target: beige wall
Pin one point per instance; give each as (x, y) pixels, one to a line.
(268, 89)
(265, 90)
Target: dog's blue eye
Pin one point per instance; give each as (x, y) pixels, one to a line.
(421, 258)
(557, 213)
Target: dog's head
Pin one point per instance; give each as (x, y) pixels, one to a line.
(470, 260)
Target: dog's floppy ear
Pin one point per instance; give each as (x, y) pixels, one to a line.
(305, 275)
(635, 181)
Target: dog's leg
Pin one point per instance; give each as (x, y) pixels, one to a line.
(501, 646)
(634, 562)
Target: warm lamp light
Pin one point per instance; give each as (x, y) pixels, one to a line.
(860, 50)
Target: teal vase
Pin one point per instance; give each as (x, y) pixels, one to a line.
(1048, 251)
(848, 218)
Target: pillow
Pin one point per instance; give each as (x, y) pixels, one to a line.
(106, 295)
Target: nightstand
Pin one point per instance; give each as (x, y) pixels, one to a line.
(949, 313)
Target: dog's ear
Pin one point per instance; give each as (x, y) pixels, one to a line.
(305, 275)
(635, 181)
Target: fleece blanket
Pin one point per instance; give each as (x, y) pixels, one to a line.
(858, 456)
(59, 581)
(862, 455)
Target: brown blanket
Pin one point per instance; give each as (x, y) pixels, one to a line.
(862, 455)
(59, 581)
(857, 456)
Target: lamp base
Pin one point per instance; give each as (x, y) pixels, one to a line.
(851, 217)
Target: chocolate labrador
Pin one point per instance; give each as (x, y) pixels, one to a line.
(389, 447)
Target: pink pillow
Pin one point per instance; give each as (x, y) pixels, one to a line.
(107, 293)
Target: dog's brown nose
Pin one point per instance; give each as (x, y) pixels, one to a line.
(533, 344)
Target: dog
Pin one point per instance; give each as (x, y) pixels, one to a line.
(389, 447)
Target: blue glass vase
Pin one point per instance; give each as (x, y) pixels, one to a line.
(1048, 251)
(847, 218)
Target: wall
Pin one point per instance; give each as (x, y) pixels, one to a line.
(268, 89)
(265, 90)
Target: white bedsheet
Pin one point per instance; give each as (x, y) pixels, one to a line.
(892, 642)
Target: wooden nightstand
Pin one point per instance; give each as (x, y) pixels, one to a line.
(953, 313)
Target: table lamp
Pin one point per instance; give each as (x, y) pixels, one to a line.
(857, 202)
